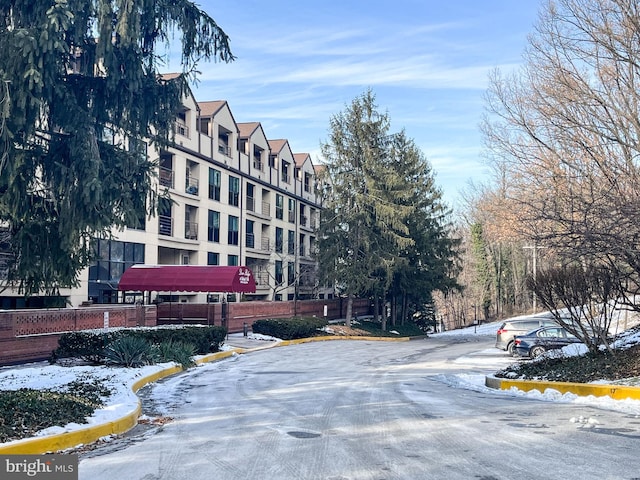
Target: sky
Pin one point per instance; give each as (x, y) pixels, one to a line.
(426, 61)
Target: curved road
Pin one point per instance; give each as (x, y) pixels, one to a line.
(365, 410)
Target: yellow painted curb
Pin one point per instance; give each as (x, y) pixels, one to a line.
(616, 392)
(66, 440)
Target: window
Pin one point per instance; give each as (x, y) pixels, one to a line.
(112, 259)
(234, 191)
(233, 230)
(279, 206)
(285, 172)
(213, 258)
(213, 232)
(214, 184)
(279, 233)
(292, 210)
(279, 278)
(232, 260)
(251, 201)
(249, 236)
(291, 242)
(307, 182)
(291, 273)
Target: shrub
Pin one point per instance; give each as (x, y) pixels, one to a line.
(289, 328)
(91, 345)
(24, 412)
(86, 345)
(175, 351)
(129, 351)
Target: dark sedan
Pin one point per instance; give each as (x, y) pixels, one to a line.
(538, 341)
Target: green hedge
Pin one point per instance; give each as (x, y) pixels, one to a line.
(289, 328)
(91, 345)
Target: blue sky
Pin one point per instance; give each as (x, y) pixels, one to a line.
(427, 61)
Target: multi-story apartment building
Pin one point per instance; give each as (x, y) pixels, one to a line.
(234, 198)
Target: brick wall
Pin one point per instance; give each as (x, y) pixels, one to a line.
(31, 335)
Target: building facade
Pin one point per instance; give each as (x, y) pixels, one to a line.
(232, 197)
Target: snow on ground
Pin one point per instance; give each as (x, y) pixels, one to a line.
(123, 401)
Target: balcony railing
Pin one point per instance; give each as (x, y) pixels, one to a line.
(166, 177)
(292, 217)
(265, 244)
(257, 164)
(191, 186)
(261, 278)
(165, 225)
(251, 204)
(181, 129)
(224, 149)
(303, 220)
(286, 178)
(250, 240)
(266, 209)
(190, 230)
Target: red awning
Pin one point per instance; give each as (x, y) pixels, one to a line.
(188, 278)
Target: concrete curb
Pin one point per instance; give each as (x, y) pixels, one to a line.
(67, 440)
(616, 392)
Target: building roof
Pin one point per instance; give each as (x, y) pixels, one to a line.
(300, 158)
(277, 145)
(187, 278)
(246, 129)
(210, 108)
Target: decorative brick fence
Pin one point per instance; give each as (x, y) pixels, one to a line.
(31, 335)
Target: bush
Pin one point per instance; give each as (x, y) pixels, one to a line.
(86, 345)
(90, 345)
(175, 351)
(24, 412)
(289, 328)
(129, 351)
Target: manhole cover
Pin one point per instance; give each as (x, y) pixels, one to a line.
(303, 434)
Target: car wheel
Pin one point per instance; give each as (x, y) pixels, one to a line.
(511, 348)
(536, 351)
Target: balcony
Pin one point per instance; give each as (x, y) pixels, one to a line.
(250, 240)
(190, 230)
(166, 177)
(191, 186)
(224, 150)
(181, 129)
(165, 225)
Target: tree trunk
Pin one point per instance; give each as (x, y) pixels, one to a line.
(349, 310)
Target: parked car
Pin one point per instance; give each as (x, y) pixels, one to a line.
(535, 343)
(510, 328)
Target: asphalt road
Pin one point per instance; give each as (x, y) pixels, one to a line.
(365, 410)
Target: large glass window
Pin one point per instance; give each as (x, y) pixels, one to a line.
(291, 242)
(234, 191)
(112, 259)
(279, 207)
(250, 240)
(213, 258)
(233, 230)
(279, 239)
(232, 260)
(213, 231)
(279, 275)
(214, 184)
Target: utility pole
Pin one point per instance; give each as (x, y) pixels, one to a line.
(534, 248)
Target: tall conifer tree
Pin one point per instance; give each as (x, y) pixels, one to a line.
(81, 73)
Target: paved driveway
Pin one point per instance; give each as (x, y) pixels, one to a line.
(365, 410)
